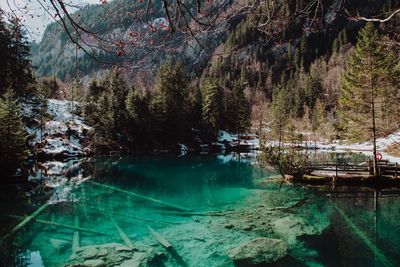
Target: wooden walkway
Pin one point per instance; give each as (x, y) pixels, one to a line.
(363, 169)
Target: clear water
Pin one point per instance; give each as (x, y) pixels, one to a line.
(353, 227)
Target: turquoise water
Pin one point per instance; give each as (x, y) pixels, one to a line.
(171, 195)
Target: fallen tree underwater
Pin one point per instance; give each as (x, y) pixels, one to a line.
(137, 195)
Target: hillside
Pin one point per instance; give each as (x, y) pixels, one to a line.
(247, 44)
(144, 49)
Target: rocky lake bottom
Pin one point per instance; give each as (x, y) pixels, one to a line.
(193, 211)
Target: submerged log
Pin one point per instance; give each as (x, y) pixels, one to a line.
(159, 237)
(75, 238)
(149, 199)
(122, 234)
(107, 211)
(24, 222)
(61, 225)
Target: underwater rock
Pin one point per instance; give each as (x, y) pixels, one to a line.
(90, 253)
(228, 226)
(248, 227)
(94, 263)
(139, 259)
(102, 252)
(59, 244)
(259, 251)
(291, 227)
(122, 248)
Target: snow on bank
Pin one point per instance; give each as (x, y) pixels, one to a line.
(63, 133)
(249, 139)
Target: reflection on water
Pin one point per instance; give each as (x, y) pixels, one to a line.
(362, 230)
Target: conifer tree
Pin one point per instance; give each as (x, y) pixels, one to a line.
(19, 69)
(212, 110)
(238, 110)
(106, 124)
(40, 106)
(90, 111)
(169, 104)
(4, 53)
(279, 113)
(137, 118)
(364, 85)
(12, 131)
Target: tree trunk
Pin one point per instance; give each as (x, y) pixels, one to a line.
(375, 163)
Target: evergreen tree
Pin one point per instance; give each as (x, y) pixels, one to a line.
(196, 108)
(363, 86)
(212, 110)
(12, 132)
(4, 53)
(313, 90)
(169, 104)
(19, 70)
(279, 113)
(106, 125)
(90, 112)
(40, 106)
(238, 110)
(137, 118)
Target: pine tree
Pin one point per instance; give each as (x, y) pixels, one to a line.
(4, 53)
(40, 106)
(279, 113)
(212, 110)
(137, 118)
(19, 70)
(90, 112)
(238, 110)
(170, 103)
(12, 131)
(363, 85)
(106, 125)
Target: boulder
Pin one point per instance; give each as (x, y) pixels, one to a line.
(291, 227)
(259, 251)
(90, 253)
(94, 263)
(139, 259)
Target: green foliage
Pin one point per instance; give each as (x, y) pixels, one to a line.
(170, 103)
(238, 111)
(280, 111)
(288, 162)
(212, 110)
(138, 118)
(39, 106)
(12, 131)
(15, 69)
(365, 87)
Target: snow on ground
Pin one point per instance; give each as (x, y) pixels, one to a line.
(63, 133)
(225, 137)
(250, 139)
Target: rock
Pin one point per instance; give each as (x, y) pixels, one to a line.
(228, 226)
(94, 263)
(73, 257)
(90, 253)
(259, 251)
(59, 244)
(291, 227)
(139, 259)
(248, 227)
(102, 252)
(122, 248)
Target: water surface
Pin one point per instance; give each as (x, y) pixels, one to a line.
(353, 226)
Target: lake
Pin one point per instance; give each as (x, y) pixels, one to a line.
(203, 205)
